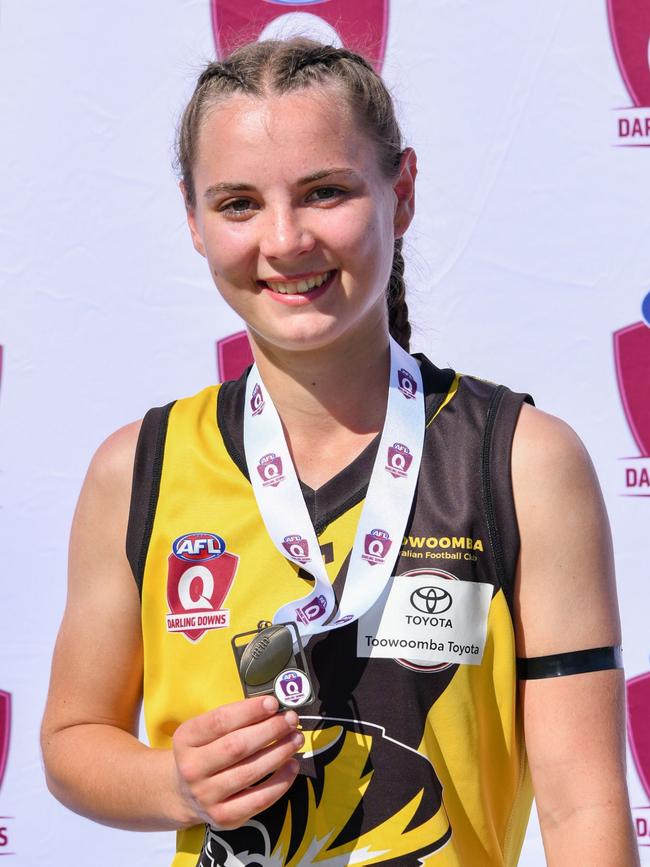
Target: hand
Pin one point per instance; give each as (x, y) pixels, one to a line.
(222, 755)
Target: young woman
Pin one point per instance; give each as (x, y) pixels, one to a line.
(409, 747)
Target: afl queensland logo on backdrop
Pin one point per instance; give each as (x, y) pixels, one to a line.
(5, 730)
(361, 25)
(200, 574)
(629, 22)
(638, 713)
(632, 359)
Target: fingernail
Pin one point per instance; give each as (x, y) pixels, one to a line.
(270, 703)
(298, 739)
(292, 718)
(294, 766)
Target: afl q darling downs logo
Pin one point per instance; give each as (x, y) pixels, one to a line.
(200, 575)
(632, 360)
(629, 22)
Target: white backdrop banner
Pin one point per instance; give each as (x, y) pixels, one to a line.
(528, 264)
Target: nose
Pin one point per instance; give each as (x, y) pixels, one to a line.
(285, 234)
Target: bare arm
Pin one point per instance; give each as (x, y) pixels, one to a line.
(566, 600)
(93, 759)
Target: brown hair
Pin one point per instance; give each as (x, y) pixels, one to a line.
(260, 68)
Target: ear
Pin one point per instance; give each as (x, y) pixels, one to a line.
(190, 210)
(404, 189)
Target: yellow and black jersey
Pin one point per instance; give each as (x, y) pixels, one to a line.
(404, 763)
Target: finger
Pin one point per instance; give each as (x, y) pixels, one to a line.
(238, 809)
(258, 766)
(240, 745)
(216, 723)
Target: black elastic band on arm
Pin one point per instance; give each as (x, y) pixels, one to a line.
(576, 662)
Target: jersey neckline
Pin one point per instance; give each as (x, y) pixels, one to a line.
(348, 487)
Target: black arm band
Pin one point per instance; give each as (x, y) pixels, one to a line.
(576, 662)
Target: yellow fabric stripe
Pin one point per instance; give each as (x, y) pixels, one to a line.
(453, 388)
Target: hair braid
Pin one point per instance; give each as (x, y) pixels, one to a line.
(398, 312)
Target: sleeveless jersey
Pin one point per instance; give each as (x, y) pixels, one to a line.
(404, 763)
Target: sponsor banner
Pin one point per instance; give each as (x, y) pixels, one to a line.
(426, 617)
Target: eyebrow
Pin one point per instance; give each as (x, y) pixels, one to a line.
(243, 187)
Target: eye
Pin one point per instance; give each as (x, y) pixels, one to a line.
(325, 194)
(237, 207)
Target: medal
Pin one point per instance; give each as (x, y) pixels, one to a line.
(271, 660)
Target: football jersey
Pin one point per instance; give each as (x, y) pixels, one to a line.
(406, 760)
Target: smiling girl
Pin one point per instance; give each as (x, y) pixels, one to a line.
(419, 530)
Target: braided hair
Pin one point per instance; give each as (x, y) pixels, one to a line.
(263, 68)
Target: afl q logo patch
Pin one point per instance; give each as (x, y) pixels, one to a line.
(200, 573)
(361, 25)
(431, 600)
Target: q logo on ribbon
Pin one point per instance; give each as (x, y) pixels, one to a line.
(361, 25)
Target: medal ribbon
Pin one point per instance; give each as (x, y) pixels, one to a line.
(384, 514)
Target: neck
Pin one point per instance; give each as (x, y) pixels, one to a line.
(332, 402)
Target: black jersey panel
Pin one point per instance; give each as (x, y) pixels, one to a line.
(497, 479)
(147, 469)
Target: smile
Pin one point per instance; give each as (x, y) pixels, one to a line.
(298, 287)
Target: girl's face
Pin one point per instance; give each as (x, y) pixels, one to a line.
(296, 218)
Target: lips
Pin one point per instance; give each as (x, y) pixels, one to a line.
(297, 287)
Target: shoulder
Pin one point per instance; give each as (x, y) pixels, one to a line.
(111, 467)
(548, 456)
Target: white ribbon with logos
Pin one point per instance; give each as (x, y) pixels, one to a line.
(383, 517)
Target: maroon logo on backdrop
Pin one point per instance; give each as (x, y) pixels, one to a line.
(314, 609)
(632, 359)
(196, 590)
(376, 546)
(297, 548)
(638, 714)
(362, 25)
(5, 731)
(270, 470)
(234, 355)
(399, 460)
(629, 22)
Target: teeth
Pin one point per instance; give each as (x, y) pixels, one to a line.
(300, 286)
